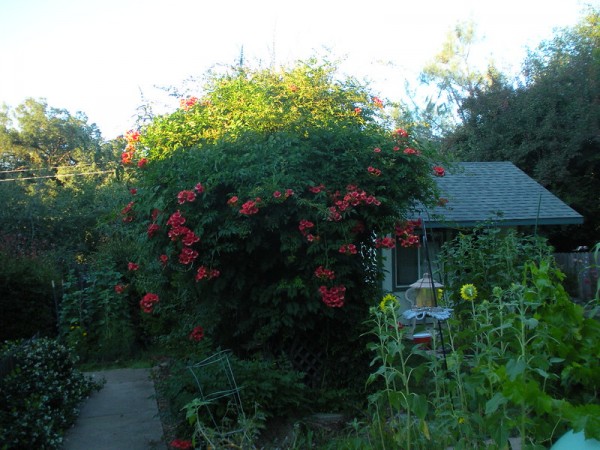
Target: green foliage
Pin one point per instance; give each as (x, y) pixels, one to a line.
(488, 257)
(270, 138)
(40, 391)
(521, 360)
(455, 77)
(56, 181)
(27, 296)
(47, 137)
(267, 389)
(546, 123)
(95, 320)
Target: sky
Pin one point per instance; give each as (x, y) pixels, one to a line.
(108, 57)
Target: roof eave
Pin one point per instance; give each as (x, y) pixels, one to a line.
(505, 223)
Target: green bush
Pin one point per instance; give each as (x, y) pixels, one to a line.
(26, 297)
(98, 310)
(487, 257)
(259, 205)
(521, 359)
(40, 391)
(267, 389)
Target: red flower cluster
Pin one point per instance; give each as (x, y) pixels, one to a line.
(126, 157)
(197, 334)
(186, 196)
(203, 272)
(187, 103)
(334, 297)
(401, 133)
(232, 201)
(439, 171)
(377, 101)
(288, 193)
(411, 151)
(250, 207)
(142, 162)
(152, 229)
(148, 301)
(348, 249)
(324, 274)
(120, 288)
(405, 232)
(133, 191)
(127, 212)
(132, 266)
(377, 150)
(386, 242)
(199, 188)
(188, 237)
(357, 110)
(181, 444)
(164, 259)
(316, 189)
(176, 219)
(354, 197)
(187, 255)
(131, 137)
(304, 226)
(374, 171)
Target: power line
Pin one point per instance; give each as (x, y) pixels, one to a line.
(41, 168)
(58, 175)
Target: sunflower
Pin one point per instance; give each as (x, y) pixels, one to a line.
(468, 292)
(388, 302)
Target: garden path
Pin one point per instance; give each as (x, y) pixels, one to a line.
(122, 415)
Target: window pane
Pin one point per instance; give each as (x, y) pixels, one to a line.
(407, 265)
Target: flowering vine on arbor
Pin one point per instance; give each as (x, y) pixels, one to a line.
(267, 197)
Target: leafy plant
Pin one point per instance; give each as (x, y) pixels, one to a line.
(520, 362)
(40, 390)
(96, 314)
(27, 296)
(267, 389)
(263, 204)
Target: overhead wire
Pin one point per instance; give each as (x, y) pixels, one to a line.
(57, 176)
(42, 168)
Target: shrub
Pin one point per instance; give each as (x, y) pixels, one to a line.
(39, 393)
(26, 297)
(521, 359)
(260, 205)
(488, 257)
(97, 312)
(266, 388)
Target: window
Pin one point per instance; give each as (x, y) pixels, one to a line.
(409, 264)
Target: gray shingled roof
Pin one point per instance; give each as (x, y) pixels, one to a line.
(498, 191)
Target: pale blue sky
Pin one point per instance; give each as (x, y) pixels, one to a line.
(98, 56)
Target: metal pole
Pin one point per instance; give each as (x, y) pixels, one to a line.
(435, 302)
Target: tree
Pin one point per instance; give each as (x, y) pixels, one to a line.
(454, 77)
(547, 124)
(51, 163)
(262, 204)
(47, 137)
(56, 183)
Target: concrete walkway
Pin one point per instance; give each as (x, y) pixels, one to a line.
(123, 415)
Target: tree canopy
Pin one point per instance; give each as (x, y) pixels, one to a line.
(50, 165)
